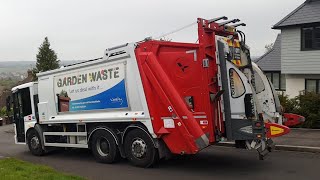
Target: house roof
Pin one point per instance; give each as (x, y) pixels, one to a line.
(308, 12)
(271, 60)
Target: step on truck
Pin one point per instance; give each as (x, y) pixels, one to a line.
(147, 100)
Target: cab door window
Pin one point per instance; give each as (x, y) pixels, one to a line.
(26, 102)
(22, 103)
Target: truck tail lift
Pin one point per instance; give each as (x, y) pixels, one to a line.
(146, 100)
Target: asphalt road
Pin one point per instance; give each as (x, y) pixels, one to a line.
(212, 163)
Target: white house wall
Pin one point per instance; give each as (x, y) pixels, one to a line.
(296, 83)
(293, 60)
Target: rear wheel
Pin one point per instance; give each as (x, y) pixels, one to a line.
(104, 147)
(139, 148)
(34, 143)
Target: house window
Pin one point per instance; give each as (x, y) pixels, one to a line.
(283, 81)
(278, 80)
(313, 85)
(310, 38)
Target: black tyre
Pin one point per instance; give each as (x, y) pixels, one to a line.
(34, 143)
(139, 149)
(104, 147)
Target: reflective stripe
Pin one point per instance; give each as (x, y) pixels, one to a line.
(200, 117)
(185, 117)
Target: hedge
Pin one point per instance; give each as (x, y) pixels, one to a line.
(306, 104)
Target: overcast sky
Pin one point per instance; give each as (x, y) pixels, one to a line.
(82, 29)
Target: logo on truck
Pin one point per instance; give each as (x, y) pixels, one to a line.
(103, 74)
(116, 100)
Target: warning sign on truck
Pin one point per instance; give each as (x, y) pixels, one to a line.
(101, 87)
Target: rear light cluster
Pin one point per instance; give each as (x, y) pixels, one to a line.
(259, 136)
(258, 124)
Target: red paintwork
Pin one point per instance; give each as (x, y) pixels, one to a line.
(268, 132)
(293, 119)
(169, 74)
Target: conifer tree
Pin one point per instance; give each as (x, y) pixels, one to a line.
(46, 58)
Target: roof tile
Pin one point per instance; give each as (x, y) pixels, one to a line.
(308, 12)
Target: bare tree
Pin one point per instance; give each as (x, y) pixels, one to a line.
(268, 47)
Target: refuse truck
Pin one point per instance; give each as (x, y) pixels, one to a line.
(147, 100)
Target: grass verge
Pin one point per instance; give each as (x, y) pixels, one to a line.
(13, 169)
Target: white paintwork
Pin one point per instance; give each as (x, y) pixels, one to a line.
(65, 133)
(264, 101)
(28, 122)
(43, 111)
(22, 86)
(15, 136)
(137, 110)
(67, 145)
(31, 123)
(237, 104)
(266, 98)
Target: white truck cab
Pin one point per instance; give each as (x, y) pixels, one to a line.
(24, 101)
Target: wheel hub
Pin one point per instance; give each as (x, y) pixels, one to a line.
(35, 142)
(103, 147)
(139, 148)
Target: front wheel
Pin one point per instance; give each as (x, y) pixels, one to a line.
(139, 148)
(34, 143)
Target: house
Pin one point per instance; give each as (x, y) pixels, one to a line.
(293, 64)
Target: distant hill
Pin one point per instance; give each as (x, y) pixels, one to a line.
(17, 66)
(27, 64)
(18, 69)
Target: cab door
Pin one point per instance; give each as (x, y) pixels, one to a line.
(21, 108)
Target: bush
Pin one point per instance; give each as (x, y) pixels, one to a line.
(306, 104)
(3, 111)
(289, 105)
